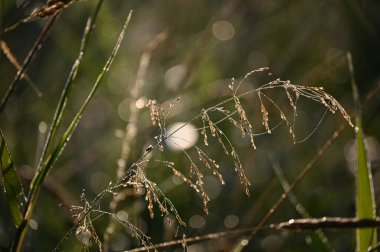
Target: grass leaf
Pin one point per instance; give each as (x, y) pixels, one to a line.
(365, 204)
(61, 107)
(70, 130)
(365, 200)
(12, 185)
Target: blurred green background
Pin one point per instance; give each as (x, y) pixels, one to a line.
(208, 43)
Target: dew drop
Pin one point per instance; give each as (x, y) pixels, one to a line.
(356, 129)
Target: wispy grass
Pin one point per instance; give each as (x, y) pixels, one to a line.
(200, 162)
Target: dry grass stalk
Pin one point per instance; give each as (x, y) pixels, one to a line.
(265, 113)
(244, 124)
(8, 53)
(153, 194)
(155, 197)
(51, 8)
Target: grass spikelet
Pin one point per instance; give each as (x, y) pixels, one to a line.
(148, 197)
(157, 116)
(220, 132)
(319, 95)
(179, 174)
(204, 132)
(51, 7)
(152, 196)
(172, 104)
(208, 121)
(85, 232)
(283, 117)
(244, 124)
(265, 114)
(199, 182)
(210, 164)
(240, 171)
(292, 102)
(154, 111)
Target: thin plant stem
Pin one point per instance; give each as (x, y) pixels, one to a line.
(310, 164)
(294, 225)
(65, 93)
(297, 204)
(58, 150)
(300, 176)
(44, 168)
(131, 130)
(20, 73)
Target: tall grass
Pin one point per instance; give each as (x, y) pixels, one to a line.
(241, 111)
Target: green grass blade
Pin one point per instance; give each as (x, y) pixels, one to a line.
(12, 185)
(365, 200)
(70, 130)
(365, 203)
(43, 168)
(61, 107)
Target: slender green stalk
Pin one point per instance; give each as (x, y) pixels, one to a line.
(43, 169)
(61, 107)
(58, 150)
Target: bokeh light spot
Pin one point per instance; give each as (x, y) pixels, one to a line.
(122, 215)
(141, 102)
(33, 224)
(185, 138)
(123, 109)
(174, 76)
(197, 221)
(42, 127)
(231, 221)
(223, 30)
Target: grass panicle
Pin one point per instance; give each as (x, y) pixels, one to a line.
(135, 177)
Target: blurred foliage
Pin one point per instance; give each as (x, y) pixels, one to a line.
(303, 41)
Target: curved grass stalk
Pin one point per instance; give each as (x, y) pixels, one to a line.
(158, 118)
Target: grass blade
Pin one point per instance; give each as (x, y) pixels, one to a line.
(61, 107)
(45, 167)
(70, 130)
(365, 203)
(12, 185)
